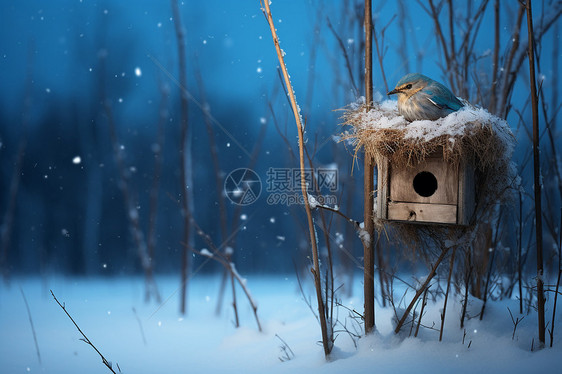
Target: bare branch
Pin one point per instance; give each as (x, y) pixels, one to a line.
(84, 337)
(326, 340)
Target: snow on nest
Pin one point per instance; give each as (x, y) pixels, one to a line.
(471, 131)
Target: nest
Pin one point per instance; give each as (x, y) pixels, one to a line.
(470, 134)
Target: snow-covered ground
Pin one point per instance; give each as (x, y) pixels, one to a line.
(111, 312)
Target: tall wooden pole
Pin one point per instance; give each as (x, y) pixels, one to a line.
(537, 175)
(185, 152)
(368, 183)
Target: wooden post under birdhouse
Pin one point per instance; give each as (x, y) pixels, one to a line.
(432, 191)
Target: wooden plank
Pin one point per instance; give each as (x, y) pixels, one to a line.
(382, 189)
(467, 198)
(402, 187)
(427, 213)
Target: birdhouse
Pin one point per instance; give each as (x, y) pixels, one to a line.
(447, 172)
(432, 191)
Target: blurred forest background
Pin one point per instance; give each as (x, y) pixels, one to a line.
(90, 123)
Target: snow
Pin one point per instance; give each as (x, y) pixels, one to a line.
(202, 342)
(385, 116)
(364, 236)
(205, 252)
(312, 202)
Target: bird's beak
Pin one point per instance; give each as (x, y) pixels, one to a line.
(394, 91)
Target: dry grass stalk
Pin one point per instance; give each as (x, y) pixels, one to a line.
(84, 338)
(421, 289)
(6, 227)
(327, 341)
(537, 175)
(31, 324)
(451, 267)
(185, 153)
(155, 187)
(224, 260)
(133, 216)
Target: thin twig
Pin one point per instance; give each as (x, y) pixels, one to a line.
(490, 268)
(424, 302)
(218, 256)
(421, 289)
(515, 323)
(9, 214)
(184, 153)
(519, 252)
(132, 211)
(84, 337)
(218, 182)
(537, 175)
(495, 58)
(468, 276)
(242, 282)
(338, 212)
(345, 55)
(289, 354)
(31, 324)
(155, 187)
(558, 280)
(304, 297)
(140, 325)
(452, 265)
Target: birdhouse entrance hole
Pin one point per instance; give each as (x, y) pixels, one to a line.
(431, 191)
(425, 184)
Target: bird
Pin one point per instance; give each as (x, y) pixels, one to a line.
(422, 98)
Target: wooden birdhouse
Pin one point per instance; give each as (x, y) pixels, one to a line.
(447, 172)
(432, 191)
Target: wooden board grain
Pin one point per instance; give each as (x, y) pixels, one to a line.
(467, 198)
(419, 212)
(402, 189)
(381, 200)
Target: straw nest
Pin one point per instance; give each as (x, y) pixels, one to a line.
(470, 134)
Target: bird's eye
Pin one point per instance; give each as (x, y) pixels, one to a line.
(408, 86)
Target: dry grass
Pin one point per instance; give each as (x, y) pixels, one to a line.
(386, 134)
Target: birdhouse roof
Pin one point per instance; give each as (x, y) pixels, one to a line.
(469, 133)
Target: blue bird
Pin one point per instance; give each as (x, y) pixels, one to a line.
(420, 97)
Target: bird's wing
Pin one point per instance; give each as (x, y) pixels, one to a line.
(441, 97)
